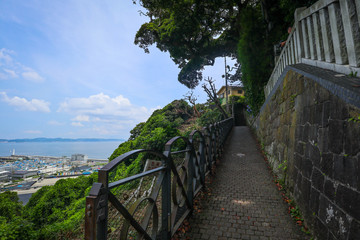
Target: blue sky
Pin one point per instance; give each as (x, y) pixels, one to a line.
(69, 68)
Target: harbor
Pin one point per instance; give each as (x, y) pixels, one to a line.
(25, 174)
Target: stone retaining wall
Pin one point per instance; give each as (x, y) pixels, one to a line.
(313, 143)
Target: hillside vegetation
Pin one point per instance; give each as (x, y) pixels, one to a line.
(57, 212)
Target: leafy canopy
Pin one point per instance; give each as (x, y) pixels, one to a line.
(194, 32)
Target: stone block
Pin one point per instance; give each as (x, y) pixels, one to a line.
(300, 147)
(315, 155)
(299, 180)
(317, 179)
(358, 173)
(341, 226)
(285, 134)
(306, 132)
(348, 200)
(326, 113)
(305, 192)
(334, 219)
(313, 132)
(318, 114)
(305, 115)
(346, 170)
(282, 108)
(352, 138)
(314, 201)
(307, 167)
(310, 132)
(354, 232)
(312, 114)
(339, 110)
(323, 139)
(298, 161)
(322, 95)
(308, 148)
(292, 136)
(320, 230)
(294, 174)
(299, 83)
(336, 136)
(327, 164)
(276, 122)
(298, 133)
(330, 190)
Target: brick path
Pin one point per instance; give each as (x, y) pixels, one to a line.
(244, 201)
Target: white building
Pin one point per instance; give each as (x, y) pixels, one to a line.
(79, 157)
(4, 176)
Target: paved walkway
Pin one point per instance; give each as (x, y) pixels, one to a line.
(244, 202)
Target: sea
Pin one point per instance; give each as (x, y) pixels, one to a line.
(97, 150)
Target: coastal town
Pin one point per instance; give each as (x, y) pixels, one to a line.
(27, 174)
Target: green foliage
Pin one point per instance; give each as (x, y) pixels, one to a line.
(237, 100)
(53, 212)
(193, 32)
(158, 129)
(197, 32)
(254, 57)
(47, 206)
(353, 74)
(354, 119)
(10, 207)
(135, 132)
(57, 212)
(208, 117)
(18, 228)
(12, 223)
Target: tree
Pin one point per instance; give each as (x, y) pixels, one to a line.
(211, 92)
(194, 32)
(10, 207)
(189, 96)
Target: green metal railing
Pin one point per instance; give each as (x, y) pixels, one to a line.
(152, 204)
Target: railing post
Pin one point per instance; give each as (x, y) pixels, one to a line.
(191, 174)
(202, 160)
(338, 36)
(326, 36)
(208, 143)
(352, 35)
(213, 142)
(102, 219)
(95, 213)
(90, 217)
(165, 231)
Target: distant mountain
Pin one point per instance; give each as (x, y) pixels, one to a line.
(61, 140)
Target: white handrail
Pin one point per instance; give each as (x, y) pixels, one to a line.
(326, 35)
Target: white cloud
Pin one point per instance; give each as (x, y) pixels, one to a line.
(3, 76)
(33, 76)
(155, 108)
(104, 115)
(33, 131)
(12, 68)
(34, 105)
(77, 124)
(55, 123)
(104, 107)
(81, 118)
(10, 73)
(5, 55)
